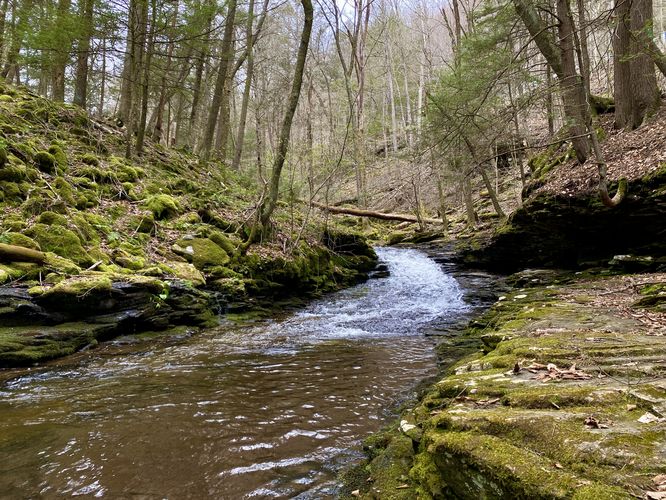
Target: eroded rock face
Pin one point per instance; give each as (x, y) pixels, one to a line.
(571, 232)
(43, 324)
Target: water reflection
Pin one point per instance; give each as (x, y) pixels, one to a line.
(270, 410)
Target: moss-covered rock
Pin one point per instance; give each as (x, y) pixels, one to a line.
(184, 271)
(45, 162)
(162, 206)
(61, 241)
(59, 156)
(52, 218)
(90, 159)
(20, 240)
(13, 173)
(201, 252)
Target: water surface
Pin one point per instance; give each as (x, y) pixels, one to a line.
(271, 409)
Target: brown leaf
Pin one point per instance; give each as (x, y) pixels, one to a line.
(592, 423)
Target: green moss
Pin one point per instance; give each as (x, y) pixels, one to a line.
(427, 476)
(84, 229)
(183, 271)
(125, 173)
(60, 265)
(13, 173)
(52, 218)
(14, 222)
(162, 206)
(75, 287)
(45, 162)
(90, 159)
(19, 240)
(59, 156)
(61, 241)
(224, 242)
(10, 191)
(64, 191)
(201, 252)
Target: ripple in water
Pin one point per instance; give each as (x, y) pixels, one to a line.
(271, 410)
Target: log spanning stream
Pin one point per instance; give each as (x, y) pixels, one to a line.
(267, 409)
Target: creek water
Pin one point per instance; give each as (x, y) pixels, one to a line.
(268, 409)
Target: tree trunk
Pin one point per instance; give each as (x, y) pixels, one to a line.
(220, 83)
(373, 214)
(145, 83)
(83, 54)
(268, 206)
(646, 99)
(61, 56)
(636, 90)
(622, 66)
(561, 58)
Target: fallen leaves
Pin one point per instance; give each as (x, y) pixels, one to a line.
(649, 418)
(551, 371)
(660, 482)
(593, 423)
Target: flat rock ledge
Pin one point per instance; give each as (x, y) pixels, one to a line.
(43, 323)
(567, 399)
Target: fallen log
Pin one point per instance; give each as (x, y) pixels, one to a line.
(14, 253)
(372, 214)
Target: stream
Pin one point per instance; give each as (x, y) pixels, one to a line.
(265, 409)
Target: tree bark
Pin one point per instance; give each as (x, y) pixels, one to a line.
(83, 54)
(636, 90)
(373, 214)
(220, 83)
(561, 58)
(61, 56)
(268, 206)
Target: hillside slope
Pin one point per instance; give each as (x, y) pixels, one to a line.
(89, 237)
(562, 222)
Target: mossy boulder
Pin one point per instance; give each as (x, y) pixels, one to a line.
(127, 260)
(90, 159)
(13, 173)
(59, 156)
(202, 252)
(184, 271)
(10, 191)
(20, 240)
(3, 155)
(162, 206)
(75, 287)
(52, 218)
(60, 265)
(45, 162)
(61, 241)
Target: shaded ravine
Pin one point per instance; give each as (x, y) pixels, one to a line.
(271, 409)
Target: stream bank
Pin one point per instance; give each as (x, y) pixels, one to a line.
(566, 399)
(46, 321)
